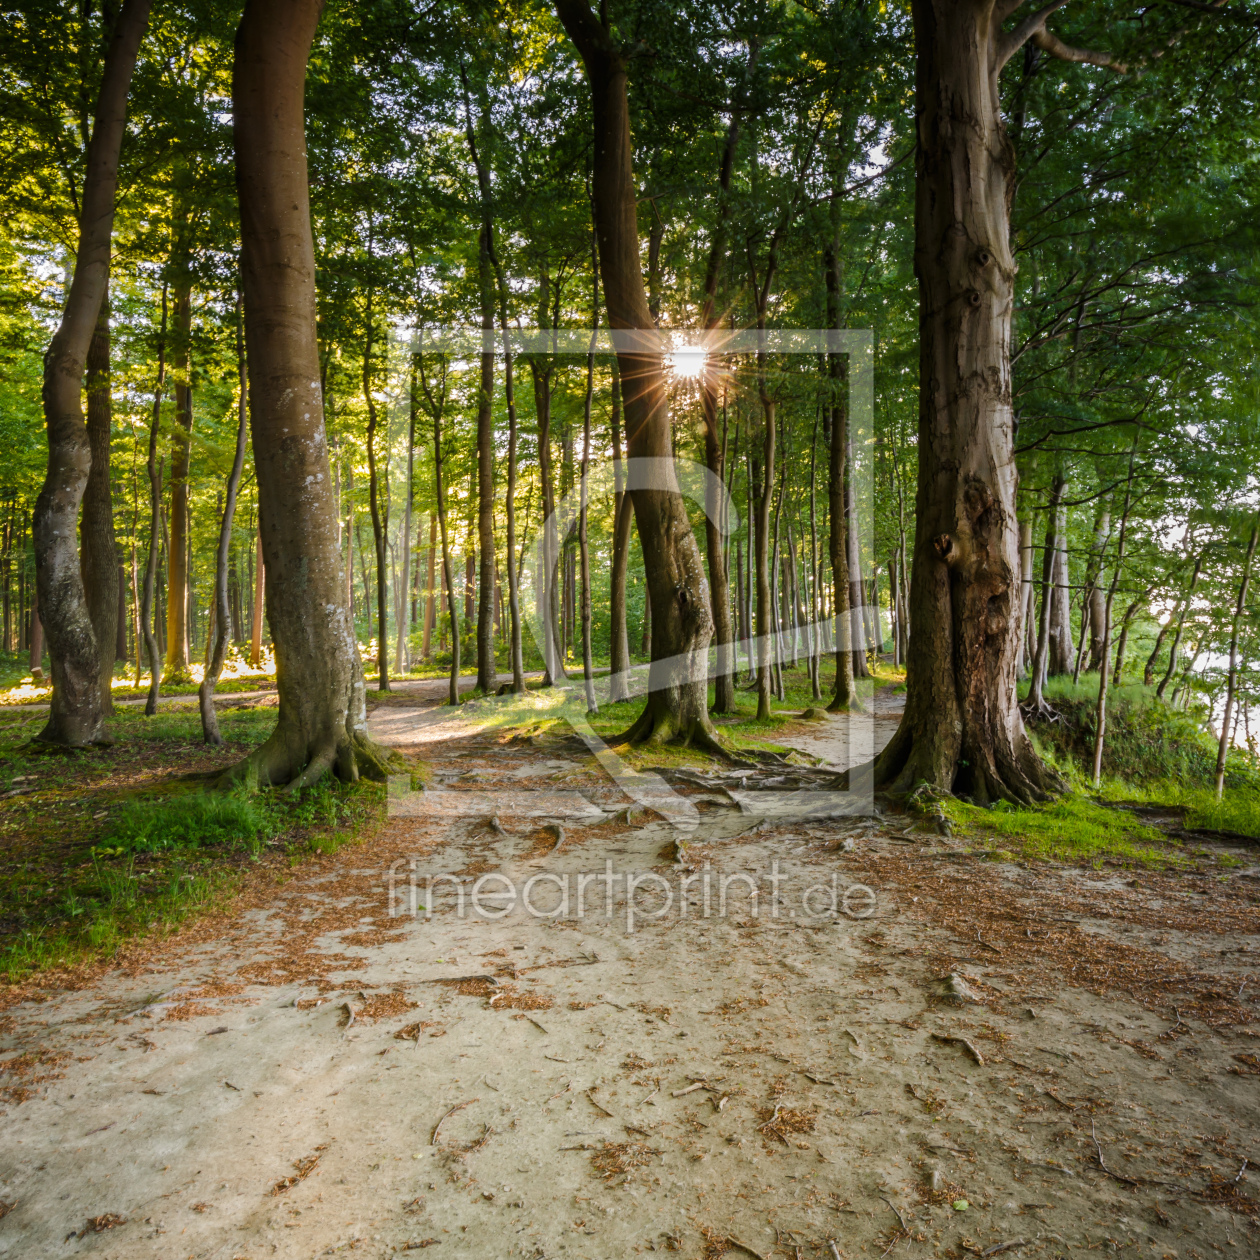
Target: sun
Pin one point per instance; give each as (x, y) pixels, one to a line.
(687, 361)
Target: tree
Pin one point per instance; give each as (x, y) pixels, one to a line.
(962, 730)
(322, 721)
(75, 716)
(682, 622)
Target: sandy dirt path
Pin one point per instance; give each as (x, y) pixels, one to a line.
(313, 1077)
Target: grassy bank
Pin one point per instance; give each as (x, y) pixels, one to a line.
(111, 846)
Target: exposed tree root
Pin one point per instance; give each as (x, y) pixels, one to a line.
(979, 771)
(1039, 711)
(655, 727)
(284, 761)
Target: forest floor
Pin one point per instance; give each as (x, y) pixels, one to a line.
(764, 1079)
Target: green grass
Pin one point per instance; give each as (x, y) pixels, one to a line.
(116, 847)
(1072, 829)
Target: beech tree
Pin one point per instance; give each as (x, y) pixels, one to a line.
(76, 714)
(682, 622)
(962, 729)
(322, 721)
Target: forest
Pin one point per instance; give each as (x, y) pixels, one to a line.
(735, 402)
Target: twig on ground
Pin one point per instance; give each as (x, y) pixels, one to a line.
(1102, 1163)
(1006, 1246)
(691, 1089)
(960, 1041)
(447, 1116)
(897, 1211)
(590, 1096)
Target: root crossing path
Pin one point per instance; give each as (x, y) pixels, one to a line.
(892, 1049)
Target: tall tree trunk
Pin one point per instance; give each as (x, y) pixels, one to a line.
(961, 729)
(619, 634)
(222, 614)
(374, 505)
(836, 428)
(177, 658)
(260, 589)
(1232, 685)
(588, 672)
(402, 657)
(1061, 648)
(677, 704)
(155, 528)
(448, 578)
(1181, 622)
(98, 551)
(1036, 705)
(75, 718)
(487, 670)
(763, 485)
(431, 593)
(714, 452)
(859, 611)
(322, 720)
(815, 613)
(548, 582)
(1104, 679)
(1027, 603)
(1095, 587)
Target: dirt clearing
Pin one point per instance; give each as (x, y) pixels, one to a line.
(966, 1057)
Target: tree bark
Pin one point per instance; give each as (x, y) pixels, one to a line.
(177, 659)
(1104, 678)
(322, 721)
(962, 730)
(1061, 648)
(98, 550)
(836, 429)
(402, 656)
(1232, 685)
(487, 669)
(677, 704)
(1181, 622)
(619, 635)
(155, 528)
(222, 614)
(75, 718)
(374, 504)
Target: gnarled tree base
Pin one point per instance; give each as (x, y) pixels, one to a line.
(982, 772)
(660, 723)
(289, 757)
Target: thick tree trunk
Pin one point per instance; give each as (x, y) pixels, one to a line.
(763, 482)
(962, 730)
(322, 720)
(75, 718)
(177, 659)
(216, 654)
(682, 619)
(98, 551)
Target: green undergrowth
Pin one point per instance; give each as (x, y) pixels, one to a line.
(1073, 829)
(113, 846)
(1153, 755)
